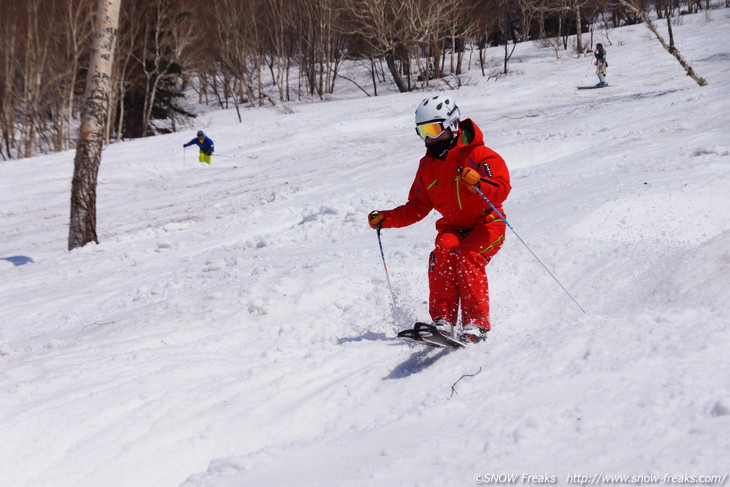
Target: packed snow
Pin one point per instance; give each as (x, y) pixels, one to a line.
(234, 325)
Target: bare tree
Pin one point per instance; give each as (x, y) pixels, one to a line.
(278, 25)
(506, 23)
(379, 24)
(167, 34)
(36, 52)
(130, 31)
(40, 42)
(670, 48)
(82, 228)
(236, 42)
(319, 44)
(76, 32)
(9, 29)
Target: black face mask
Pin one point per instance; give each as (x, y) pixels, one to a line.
(440, 148)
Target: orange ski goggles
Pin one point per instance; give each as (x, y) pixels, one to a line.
(432, 130)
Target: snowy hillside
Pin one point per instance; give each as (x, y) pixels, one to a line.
(234, 326)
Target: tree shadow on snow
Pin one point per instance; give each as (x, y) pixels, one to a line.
(17, 260)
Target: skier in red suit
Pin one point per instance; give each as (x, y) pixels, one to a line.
(470, 232)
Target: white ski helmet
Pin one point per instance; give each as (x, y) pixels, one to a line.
(438, 108)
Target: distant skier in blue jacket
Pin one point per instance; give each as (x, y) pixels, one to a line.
(206, 146)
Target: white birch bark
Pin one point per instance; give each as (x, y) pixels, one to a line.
(82, 228)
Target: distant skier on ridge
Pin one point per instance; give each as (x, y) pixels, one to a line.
(469, 232)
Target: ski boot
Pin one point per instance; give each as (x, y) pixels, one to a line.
(473, 334)
(444, 327)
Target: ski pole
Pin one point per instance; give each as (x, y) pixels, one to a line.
(387, 275)
(496, 211)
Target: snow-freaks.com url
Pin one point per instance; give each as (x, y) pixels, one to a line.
(604, 479)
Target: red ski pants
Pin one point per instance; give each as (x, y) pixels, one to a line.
(457, 273)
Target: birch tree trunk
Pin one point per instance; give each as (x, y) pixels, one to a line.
(82, 228)
(669, 48)
(578, 30)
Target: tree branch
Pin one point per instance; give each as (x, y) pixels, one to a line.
(453, 386)
(670, 49)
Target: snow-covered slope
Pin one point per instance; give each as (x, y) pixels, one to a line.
(234, 326)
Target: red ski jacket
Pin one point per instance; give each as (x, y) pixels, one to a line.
(438, 186)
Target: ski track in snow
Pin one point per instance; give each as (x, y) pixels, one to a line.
(234, 325)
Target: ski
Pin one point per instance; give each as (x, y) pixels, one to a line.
(429, 335)
(594, 87)
(414, 337)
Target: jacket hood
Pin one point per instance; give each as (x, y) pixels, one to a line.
(471, 134)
